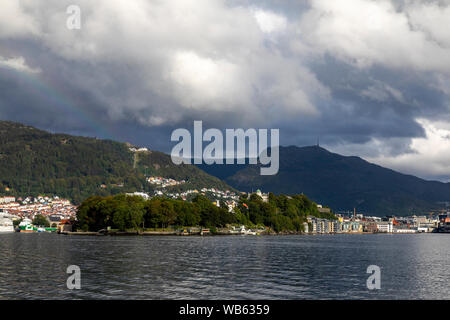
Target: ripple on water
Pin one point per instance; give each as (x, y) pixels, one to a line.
(292, 267)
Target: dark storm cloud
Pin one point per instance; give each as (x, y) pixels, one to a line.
(357, 76)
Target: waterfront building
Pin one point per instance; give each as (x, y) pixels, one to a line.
(356, 226)
(54, 220)
(313, 222)
(322, 226)
(336, 226)
(326, 226)
(331, 227)
(306, 227)
(318, 225)
(385, 226)
(371, 227)
(65, 226)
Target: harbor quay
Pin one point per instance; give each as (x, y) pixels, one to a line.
(361, 224)
(60, 215)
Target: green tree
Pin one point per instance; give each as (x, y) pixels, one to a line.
(40, 220)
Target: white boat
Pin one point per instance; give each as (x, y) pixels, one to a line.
(242, 230)
(6, 225)
(25, 222)
(249, 232)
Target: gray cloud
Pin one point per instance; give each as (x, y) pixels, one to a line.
(368, 78)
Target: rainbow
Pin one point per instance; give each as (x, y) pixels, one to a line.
(47, 89)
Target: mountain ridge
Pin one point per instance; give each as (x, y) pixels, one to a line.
(341, 182)
(34, 161)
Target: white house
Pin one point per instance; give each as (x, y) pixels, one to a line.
(385, 226)
(7, 199)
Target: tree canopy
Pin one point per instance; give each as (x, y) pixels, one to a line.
(280, 213)
(40, 220)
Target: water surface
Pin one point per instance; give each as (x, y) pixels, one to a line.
(33, 266)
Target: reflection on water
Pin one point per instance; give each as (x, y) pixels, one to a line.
(33, 266)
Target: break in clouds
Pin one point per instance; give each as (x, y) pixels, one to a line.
(369, 78)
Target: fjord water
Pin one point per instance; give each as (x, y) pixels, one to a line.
(33, 266)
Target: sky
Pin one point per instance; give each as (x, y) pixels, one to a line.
(367, 78)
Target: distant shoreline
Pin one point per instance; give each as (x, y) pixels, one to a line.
(175, 233)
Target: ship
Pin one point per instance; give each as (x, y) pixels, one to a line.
(444, 223)
(6, 225)
(242, 230)
(26, 227)
(29, 228)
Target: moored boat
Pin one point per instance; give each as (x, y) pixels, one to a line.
(29, 228)
(243, 231)
(6, 225)
(26, 227)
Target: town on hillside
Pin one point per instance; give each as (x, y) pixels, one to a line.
(358, 223)
(60, 213)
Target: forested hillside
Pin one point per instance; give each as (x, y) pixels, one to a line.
(34, 162)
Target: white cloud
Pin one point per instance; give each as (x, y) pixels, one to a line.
(204, 83)
(181, 56)
(427, 157)
(432, 19)
(366, 32)
(270, 22)
(17, 64)
(17, 20)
